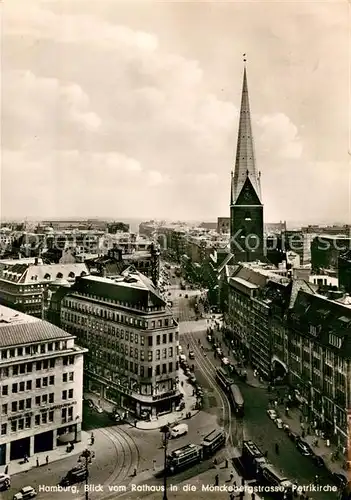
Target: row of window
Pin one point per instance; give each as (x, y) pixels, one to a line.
(32, 350)
(135, 368)
(88, 321)
(40, 419)
(28, 385)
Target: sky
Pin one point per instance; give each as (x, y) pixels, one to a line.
(130, 109)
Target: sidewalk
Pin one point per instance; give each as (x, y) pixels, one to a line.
(157, 422)
(322, 450)
(59, 453)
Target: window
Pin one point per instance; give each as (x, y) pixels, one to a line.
(142, 356)
(37, 420)
(28, 403)
(14, 407)
(44, 399)
(170, 352)
(149, 356)
(29, 385)
(64, 415)
(5, 390)
(71, 376)
(14, 388)
(28, 422)
(70, 394)
(14, 426)
(149, 371)
(158, 339)
(51, 416)
(164, 338)
(45, 381)
(170, 367)
(171, 333)
(64, 377)
(15, 370)
(64, 394)
(164, 368)
(51, 397)
(142, 371)
(3, 429)
(21, 424)
(38, 365)
(158, 354)
(4, 409)
(142, 340)
(158, 370)
(149, 341)
(37, 400)
(21, 387)
(51, 380)
(21, 405)
(164, 353)
(44, 418)
(38, 383)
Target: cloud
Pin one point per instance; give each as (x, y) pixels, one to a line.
(104, 114)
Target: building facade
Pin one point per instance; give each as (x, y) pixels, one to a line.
(132, 338)
(23, 281)
(41, 384)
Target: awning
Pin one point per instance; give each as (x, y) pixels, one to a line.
(67, 438)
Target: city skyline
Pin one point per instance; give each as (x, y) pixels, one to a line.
(123, 112)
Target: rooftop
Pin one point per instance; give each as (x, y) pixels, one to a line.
(17, 328)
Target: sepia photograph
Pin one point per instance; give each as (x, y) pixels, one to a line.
(175, 250)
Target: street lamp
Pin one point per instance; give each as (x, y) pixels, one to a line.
(86, 454)
(166, 435)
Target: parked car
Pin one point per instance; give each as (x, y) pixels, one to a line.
(272, 414)
(179, 430)
(25, 493)
(286, 428)
(5, 482)
(293, 436)
(181, 406)
(279, 423)
(182, 358)
(192, 378)
(339, 479)
(209, 338)
(191, 355)
(303, 448)
(225, 361)
(219, 351)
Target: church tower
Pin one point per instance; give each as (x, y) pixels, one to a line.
(246, 208)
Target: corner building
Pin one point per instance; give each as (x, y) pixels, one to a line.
(132, 339)
(41, 386)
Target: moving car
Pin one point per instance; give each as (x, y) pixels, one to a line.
(75, 475)
(279, 423)
(179, 430)
(25, 493)
(272, 414)
(318, 461)
(191, 355)
(339, 479)
(219, 351)
(225, 361)
(209, 338)
(192, 378)
(182, 358)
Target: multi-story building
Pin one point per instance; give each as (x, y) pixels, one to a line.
(223, 225)
(326, 250)
(344, 271)
(41, 384)
(132, 338)
(23, 281)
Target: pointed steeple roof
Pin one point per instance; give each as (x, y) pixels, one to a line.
(245, 166)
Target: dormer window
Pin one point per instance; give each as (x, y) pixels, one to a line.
(71, 275)
(47, 276)
(59, 275)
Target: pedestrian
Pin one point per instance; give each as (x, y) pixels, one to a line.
(47, 459)
(216, 480)
(232, 495)
(316, 479)
(328, 443)
(253, 496)
(6, 469)
(226, 463)
(38, 462)
(231, 477)
(135, 472)
(154, 464)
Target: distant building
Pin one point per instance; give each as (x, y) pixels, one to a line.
(115, 227)
(344, 271)
(41, 386)
(208, 225)
(23, 281)
(132, 338)
(223, 225)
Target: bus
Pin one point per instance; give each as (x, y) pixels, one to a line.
(184, 457)
(270, 476)
(213, 442)
(223, 378)
(237, 400)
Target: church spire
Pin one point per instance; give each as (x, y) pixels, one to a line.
(245, 167)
